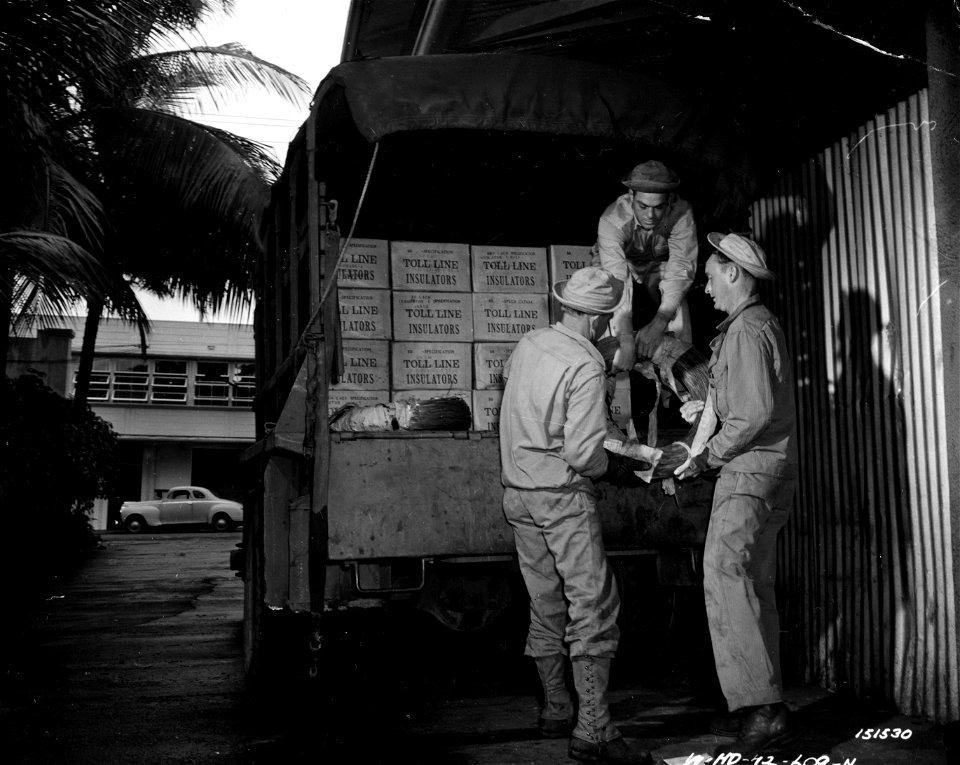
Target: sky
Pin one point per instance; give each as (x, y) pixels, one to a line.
(304, 37)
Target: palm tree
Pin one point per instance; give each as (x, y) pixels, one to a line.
(47, 216)
(183, 200)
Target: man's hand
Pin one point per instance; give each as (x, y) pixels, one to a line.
(692, 467)
(691, 410)
(650, 337)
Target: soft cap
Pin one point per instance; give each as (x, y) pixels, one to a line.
(653, 177)
(591, 290)
(746, 253)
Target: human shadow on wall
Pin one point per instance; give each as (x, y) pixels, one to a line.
(793, 222)
(844, 554)
(873, 550)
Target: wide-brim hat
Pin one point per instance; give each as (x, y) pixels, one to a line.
(653, 177)
(590, 290)
(745, 252)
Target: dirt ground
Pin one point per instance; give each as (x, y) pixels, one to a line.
(137, 659)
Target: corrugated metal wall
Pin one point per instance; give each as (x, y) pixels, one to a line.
(867, 601)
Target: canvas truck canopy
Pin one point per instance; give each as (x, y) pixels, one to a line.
(490, 121)
(503, 149)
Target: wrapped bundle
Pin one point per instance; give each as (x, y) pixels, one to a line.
(359, 419)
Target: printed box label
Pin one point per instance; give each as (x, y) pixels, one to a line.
(365, 365)
(505, 317)
(433, 316)
(365, 313)
(366, 263)
(488, 363)
(486, 409)
(509, 269)
(567, 258)
(430, 266)
(431, 366)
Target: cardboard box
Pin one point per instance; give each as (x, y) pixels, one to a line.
(564, 260)
(430, 266)
(486, 409)
(502, 317)
(366, 264)
(488, 362)
(338, 398)
(620, 410)
(366, 365)
(433, 316)
(567, 258)
(431, 366)
(365, 314)
(509, 269)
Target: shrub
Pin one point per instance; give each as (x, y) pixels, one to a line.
(55, 460)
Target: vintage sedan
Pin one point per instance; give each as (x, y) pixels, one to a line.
(182, 505)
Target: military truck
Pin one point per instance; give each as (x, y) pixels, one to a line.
(497, 150)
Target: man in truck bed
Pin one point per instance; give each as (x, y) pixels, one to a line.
(552, 428)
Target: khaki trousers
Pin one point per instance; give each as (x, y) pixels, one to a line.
(574, 601)
(739, 573)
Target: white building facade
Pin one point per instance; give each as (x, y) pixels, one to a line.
(183, 410)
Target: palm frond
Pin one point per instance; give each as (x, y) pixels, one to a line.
(37, 256)
(186, 202)
(75, 210)
(182, 79)
(141, 149)
(232, 303)
(62, 270)
(33, 307)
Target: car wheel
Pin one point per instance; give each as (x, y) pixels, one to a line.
(135, 524)
(222, 522)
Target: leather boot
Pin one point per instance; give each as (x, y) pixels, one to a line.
(596, 738)
(556, 717)
(725, 725)
(762, 727)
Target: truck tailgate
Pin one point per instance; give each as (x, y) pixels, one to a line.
(439, 494)
(431, 495)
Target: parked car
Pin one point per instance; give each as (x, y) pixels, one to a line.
(182, 505)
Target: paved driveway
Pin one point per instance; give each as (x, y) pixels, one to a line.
(137, 659)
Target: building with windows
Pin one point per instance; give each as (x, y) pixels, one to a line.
(183, 410)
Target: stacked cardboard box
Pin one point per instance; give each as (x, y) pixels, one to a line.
(510, 298)
(363, 281)
(427, 319)
(433, 320)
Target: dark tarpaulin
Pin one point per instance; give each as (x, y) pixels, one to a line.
(537, 94)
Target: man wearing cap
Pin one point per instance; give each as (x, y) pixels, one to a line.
(751, 390)
(648, 239)
(552, 428)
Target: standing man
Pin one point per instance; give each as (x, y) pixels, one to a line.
(648, 239)
(751, 388)
(552, 427)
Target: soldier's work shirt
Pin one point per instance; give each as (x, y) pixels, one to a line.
(664, 257)
(553, 415)
(752, 379)
(552, 426)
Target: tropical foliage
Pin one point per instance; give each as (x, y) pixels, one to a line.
(111, 184)
(107, 184)
(55, 460)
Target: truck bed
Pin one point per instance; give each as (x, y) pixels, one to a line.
(436, 494)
